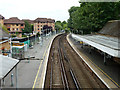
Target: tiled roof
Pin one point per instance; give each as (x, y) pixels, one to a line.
(111, 28)
(13, 20)
(44, 20)
(29, 21)
(51, 20)
(1, 17)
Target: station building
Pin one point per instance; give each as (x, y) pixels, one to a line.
(39, 23)
(14, 26)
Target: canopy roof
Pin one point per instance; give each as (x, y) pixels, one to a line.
(6, 65)
(111, 28)
(109, 45)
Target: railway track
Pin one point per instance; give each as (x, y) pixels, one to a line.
(64, 57)
(66, 70)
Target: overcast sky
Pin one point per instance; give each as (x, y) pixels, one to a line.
(31, 9)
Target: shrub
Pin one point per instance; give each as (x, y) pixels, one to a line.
(24, 35)
(13, 35)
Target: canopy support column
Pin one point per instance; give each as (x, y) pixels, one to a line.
(90, 49)
(16, 77)
(105, 58)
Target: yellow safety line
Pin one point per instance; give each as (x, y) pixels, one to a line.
(38, 72)
(45, 50)
(39, 68)
(103, 72)
(36, 76)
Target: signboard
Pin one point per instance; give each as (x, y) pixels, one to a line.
(18, 44)
(5, 51)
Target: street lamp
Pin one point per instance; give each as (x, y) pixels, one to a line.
(10, 47)
(28, 41)
(35, 37)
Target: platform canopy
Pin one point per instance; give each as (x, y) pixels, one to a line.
(6, 65)
(109, 45)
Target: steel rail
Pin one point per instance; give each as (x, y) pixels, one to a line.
(51, 74)
(71, 71)
(62, 66)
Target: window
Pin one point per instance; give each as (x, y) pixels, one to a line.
(16, 24)
(21, 24)
(13, 32)
(41, 25)
(38, 25)
(13, 28)
(17, 29)
(38, 28)
(8, 29)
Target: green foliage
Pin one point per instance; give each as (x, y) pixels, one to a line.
(91, 17)
(16, 33)
(24, 35)
(4, 28)
(13, 35)
(38, 34)
(61, 25)
(28, 28)
(32, 27)
(64, 25)
(58, 25)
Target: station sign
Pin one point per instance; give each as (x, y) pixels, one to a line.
(17, 44)
(5, 51)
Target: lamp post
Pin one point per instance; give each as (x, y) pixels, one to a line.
(28, 40)
(81, 32)
(45, 33)
(10, 47)
(35, 38)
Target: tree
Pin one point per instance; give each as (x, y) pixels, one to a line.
(58, 25)
(70, 20)
(4, 28)
(91, 17)
(28, 27)
(61, 25)
(64, 25)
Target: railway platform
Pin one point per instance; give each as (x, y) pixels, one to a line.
(109, 74)
(31, 70)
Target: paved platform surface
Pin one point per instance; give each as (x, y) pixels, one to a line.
(109, 73)
(29, 72)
